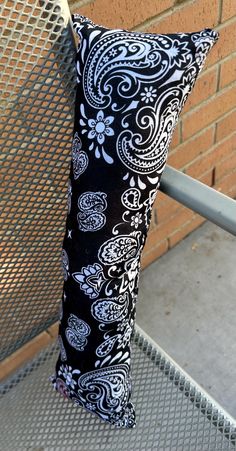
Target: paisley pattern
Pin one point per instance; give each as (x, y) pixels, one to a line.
(131, 89)
(130, 199)
(157, 133)
(110, 310)
(62, 349)
(65, 264)
(118, 249)
(107, 390)
(91, 205)
(77, 332)
(79, 157)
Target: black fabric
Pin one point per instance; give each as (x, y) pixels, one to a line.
(131, 89)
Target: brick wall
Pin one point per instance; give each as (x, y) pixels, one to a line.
(204, 143)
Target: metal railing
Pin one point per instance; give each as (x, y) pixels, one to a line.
(209, 203)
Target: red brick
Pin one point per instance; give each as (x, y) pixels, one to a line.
(167, 209)
(228, 165)
(209, 112)
(153, 220)
(228, 71)
(214, 156)
(162, 200)
(151, 255)
(206, 178)
(176, 137)
(225, 45)
(161, 197)
(185, 230)
(225, 148)
(205, 87)
(227, 184)
(188, 17)
(228, 9)
(191, 149)
(123, 13)
(167, 227)
(226, 126)
(171, 214)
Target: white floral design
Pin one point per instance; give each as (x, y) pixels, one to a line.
(105, 59)
(136, 220)
(91, 278)
(90, 406)
(177, 53)
(67, 373)
(131, 275)
(149, 94)
(125, 335)
(113, 52)
(100, 127)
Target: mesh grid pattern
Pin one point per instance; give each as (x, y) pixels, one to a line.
(37, 85)
(172, 415)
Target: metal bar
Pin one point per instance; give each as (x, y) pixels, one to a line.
(209, 203)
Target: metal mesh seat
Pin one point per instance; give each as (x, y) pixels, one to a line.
(36, 113)
(36, 109)
(172, 413)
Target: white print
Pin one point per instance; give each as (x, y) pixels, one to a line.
(91, 217)
(77, 332)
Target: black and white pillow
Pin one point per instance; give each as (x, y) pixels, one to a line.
(131, 89)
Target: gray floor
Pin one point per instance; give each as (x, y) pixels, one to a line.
(187, 305)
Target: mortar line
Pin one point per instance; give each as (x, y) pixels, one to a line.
(203, 130)
(214, 96)
(153, 20)
(220, 11)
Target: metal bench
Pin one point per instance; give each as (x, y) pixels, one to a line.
(36, 108)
